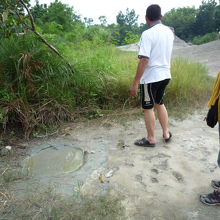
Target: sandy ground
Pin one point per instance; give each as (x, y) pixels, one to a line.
(165, 182)
(160, 183)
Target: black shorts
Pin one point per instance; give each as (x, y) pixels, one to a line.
(153, 93)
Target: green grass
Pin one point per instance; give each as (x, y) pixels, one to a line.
(38, 89)
(190, 87)
(205, 38)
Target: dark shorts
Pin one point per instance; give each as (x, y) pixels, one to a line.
(153, 93)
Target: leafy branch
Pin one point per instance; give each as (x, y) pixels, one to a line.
(32, 28)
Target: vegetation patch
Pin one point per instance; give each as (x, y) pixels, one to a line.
(46, 204)
(190, 87)
(89, 76)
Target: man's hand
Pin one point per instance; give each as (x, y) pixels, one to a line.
(133, 90)
(142, 65)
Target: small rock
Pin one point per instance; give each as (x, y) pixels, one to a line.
(8, 148)
(6, 151)
(111, 172)
(101, 178)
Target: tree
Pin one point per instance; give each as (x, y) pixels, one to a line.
(88, 21)
(205, 20)
(57, 12)
(10, 11)
(182, 20)
(17, 16)
(128, 19)
(127, 26)
(103, 20)
(217, 18)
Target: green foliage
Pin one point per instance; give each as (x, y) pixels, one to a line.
(12, 17)
(103, 20)
(190, 86)
(38, 88)
(131, 37)
(127, 29)
(128, 19)
(205, 20)
(206, 38)
(58, 13)
(182, 20)
(217, 18)
(190, 22)
(30, 79)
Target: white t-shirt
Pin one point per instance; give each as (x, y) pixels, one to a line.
(156, 43)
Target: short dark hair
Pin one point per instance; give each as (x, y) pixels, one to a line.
(153, 12)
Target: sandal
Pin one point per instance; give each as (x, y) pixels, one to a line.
(169, 138)
(144, 143)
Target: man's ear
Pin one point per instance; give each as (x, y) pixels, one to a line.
(146, 18)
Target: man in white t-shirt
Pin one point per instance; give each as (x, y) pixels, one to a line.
(153, 74)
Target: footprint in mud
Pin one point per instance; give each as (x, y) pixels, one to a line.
(163, 165)
(178, 176)
(139, 178)
(154, 180)
(154, 171)
(159, 155)
(129, 163)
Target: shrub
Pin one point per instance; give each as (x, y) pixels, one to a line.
(190, 86)
(39, 90)
(206, 38)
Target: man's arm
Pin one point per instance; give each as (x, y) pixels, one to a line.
(142, 65)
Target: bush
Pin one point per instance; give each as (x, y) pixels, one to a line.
(33, 82)
(39, 90)
(206, 38)
(190, 86)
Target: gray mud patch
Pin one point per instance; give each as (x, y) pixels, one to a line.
(53, 160)
(64, 164)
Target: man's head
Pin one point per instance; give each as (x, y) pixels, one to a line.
(153, 13)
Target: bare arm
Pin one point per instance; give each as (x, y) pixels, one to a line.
(142, 65)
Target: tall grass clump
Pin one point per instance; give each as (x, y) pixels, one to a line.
(190, 86)
(38, 89)
(34, 82)
(103, 77)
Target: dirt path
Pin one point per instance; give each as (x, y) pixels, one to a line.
(160, 183)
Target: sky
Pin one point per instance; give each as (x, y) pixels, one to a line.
(110, 8)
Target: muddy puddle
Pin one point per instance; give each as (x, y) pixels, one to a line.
(53, 160)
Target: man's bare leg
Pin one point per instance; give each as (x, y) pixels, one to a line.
(163, 119)
(150, 123)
